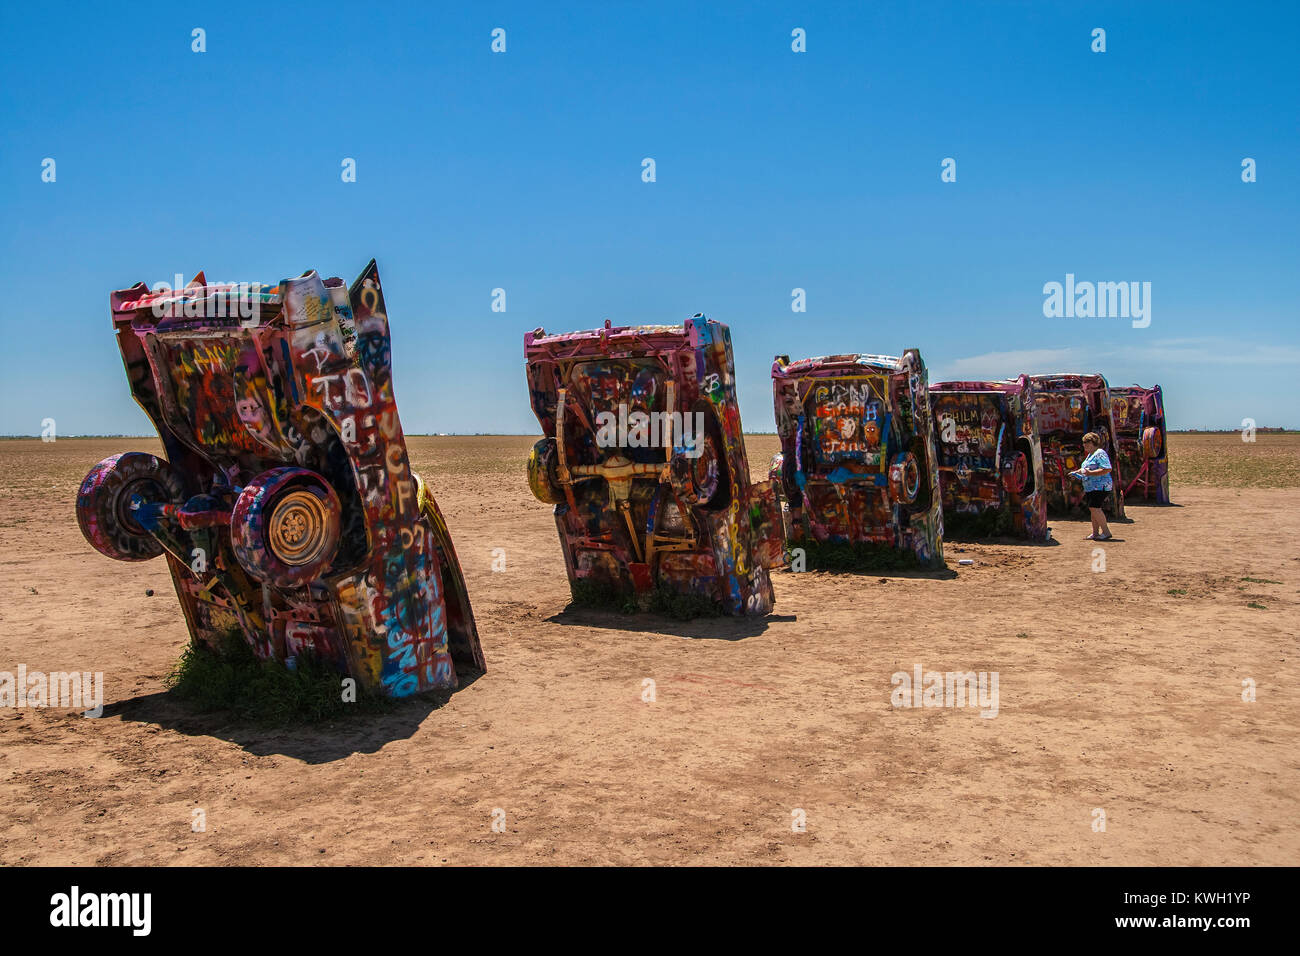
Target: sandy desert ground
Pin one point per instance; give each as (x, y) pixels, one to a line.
(1120, 691)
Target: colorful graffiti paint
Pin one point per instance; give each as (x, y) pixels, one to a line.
(1070, 406)
(990, 456)
(857, 459)
(1142, 440)
(286, 506)
(643, 457)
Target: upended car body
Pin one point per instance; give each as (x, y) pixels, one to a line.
(990, 454)
(1070, 406)
(1139, 417)
(857, 452)
(643, 457)
(286, 506)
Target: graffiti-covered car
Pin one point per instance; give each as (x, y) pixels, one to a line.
(857, 457)
(286, 506)
(990, 457)
(1070, 406)
(1139, 417)
(644, 459)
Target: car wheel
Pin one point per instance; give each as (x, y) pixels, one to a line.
(1151, 442)
(1015, 473)
(104, 510)
(285, 527)
(702, 481)
(542, 477)
(904, 478)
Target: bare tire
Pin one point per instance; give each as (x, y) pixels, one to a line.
(1015, 473)
(104, 511)
(697, 481)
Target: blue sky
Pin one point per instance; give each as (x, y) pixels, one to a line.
(774, 170)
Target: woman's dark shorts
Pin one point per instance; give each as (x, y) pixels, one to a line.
(1096, 499)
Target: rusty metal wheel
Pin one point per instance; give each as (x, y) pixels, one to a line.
(285, 527)
(296, 530)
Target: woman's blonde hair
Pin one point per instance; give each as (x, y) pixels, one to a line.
(1094, 438)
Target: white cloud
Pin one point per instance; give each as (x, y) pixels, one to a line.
(1212, 351)
(1150, 357)
(995, 365)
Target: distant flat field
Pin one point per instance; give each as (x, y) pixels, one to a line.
(1270, 461)
(1120, 691)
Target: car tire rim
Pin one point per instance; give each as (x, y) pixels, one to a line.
(146, 488)
(705, 471)
(297, 531)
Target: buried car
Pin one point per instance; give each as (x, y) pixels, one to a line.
(857, 457)
(1070, 406)
(286, 506)
(990, 457)
(643, 458)
(1139, 417)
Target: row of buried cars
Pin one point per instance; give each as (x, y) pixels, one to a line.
(291, 518)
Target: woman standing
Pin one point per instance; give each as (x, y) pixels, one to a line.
(1095, 475)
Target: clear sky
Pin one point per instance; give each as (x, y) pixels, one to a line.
(775, 170)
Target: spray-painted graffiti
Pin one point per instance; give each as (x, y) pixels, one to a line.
(634, 516)
(990, 456)
(1070, 406)
(1139, 417)
(857, 458)
(286, 506)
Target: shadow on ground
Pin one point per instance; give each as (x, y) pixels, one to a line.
(700, 628)
(313, 743)
(1003, 539)
(932, 574)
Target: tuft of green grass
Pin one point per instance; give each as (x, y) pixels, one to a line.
(1178, 591)
(1261, 581)
(990, 523)
(857, 556)
(603, 595)
(683, 607)
(1022, 634)
(233, 679)
(1257, 606)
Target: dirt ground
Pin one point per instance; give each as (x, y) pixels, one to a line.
(1119, 691)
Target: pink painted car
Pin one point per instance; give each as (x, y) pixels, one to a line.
(1143, 442)
(858, 456)
(1070, 406)
(286, 506)
(643, 457)
(990, 457)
